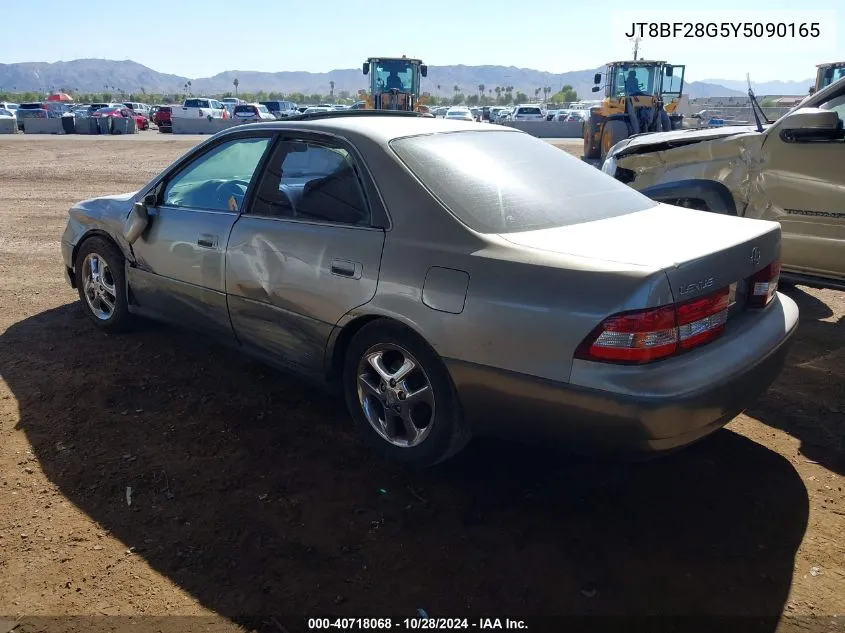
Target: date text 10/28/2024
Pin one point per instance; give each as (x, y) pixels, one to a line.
(414, 624)
(725, 29)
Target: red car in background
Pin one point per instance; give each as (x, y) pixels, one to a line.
(162, 119)
(124, 113)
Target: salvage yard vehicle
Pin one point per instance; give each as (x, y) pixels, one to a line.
(162, 119)
(252, 112)
(394, 83)
(141, 121)
(444, 293)
(640, 96)
(203, 108)
(790, 171)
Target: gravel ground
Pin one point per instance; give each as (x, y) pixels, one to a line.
(253, 504)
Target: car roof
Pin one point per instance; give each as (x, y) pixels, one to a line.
(380, 129)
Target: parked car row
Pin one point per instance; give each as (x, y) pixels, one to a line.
(519, 112)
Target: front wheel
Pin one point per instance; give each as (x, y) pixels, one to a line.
(101, 282)
(613, 132)
(401, 397)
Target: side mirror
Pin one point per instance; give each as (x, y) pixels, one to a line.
(806, 125)
(669, 70)
(138, 220)
(424, 70)
(365, 68)
(596, 88)
(597, 79)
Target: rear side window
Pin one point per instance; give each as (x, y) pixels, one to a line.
(539, 186)
(311, 181)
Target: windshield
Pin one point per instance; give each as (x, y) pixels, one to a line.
(394, 73)
(540, 186)
(634, 80)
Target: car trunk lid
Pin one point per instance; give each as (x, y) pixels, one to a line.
(700, 252)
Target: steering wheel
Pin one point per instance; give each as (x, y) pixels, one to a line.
(233, 189)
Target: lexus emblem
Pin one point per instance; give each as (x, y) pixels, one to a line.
(755, 255)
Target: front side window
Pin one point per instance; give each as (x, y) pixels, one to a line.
(672, 85)
(217, 180)
(311, 181)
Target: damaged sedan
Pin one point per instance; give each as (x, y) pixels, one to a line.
(790, 171)
(442, 292)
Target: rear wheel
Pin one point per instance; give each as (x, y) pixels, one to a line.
(613, 132)
(401, 397)
(591, 148)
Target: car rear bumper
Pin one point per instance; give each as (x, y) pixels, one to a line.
(518, 406)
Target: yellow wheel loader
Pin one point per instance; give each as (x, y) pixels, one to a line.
(639, 96)
(394, 84)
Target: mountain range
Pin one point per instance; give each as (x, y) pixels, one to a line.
(102, 75)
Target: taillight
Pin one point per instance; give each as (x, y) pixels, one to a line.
(200, 111)
(702, 320)
(763, 285)
(644, 336)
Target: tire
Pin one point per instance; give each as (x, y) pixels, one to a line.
(591, 149)
(112, 284)
(613, 132)
(444, 432)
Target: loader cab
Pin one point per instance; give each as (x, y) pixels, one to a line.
(828, 73)
(394, 82)
(641, 79)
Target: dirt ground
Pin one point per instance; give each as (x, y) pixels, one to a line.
(252, 503)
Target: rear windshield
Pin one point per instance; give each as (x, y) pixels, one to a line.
(245, 108)
(538, 186)
(529, 111)
(164, 109)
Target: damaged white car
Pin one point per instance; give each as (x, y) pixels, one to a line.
(791, 171)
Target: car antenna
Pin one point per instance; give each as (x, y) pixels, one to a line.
(754, 104)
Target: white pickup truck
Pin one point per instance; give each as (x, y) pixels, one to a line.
(199, 108)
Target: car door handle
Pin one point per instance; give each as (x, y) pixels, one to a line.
(346, 268)
(207, 241)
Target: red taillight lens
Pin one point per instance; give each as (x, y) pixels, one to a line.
(633, 337)
(644, 336)
(702, 320)
(763, 285)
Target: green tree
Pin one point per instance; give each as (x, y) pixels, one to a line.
(565, 95)
(521, 97)
(458, 98)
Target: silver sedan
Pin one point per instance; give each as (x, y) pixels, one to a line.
(444, 291)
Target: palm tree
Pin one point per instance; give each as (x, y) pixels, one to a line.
(456, 88)
(537, 92)
(438, 88)
(236, 83)
(481, 89)
(331, 83)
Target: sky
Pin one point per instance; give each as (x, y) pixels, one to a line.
(201, 38)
